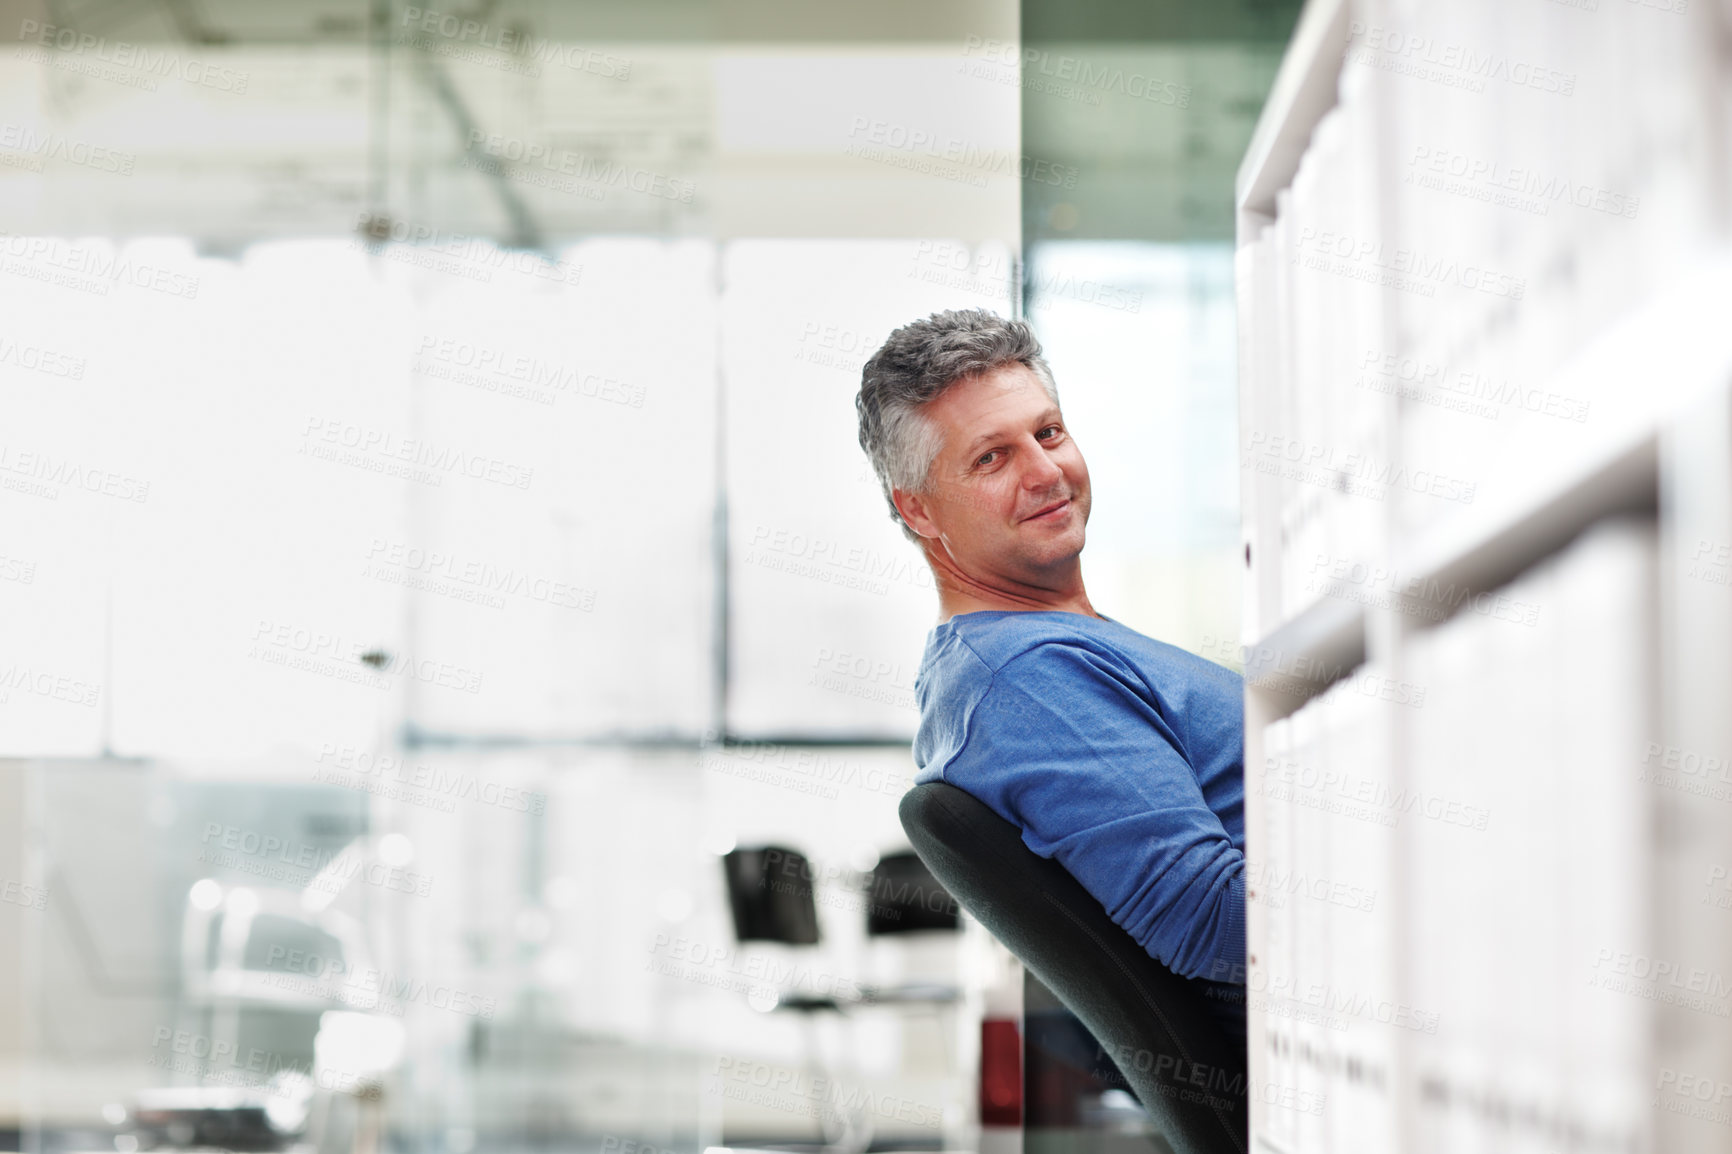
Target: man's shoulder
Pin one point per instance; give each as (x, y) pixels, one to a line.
(964, 659)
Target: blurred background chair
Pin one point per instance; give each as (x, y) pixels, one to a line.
(770, 891)
(903, 899)
(1159, 1029)
(772, 895)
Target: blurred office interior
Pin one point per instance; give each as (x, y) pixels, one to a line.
(436, 548)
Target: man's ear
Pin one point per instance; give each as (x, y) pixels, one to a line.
(915, 512)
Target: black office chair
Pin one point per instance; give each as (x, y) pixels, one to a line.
(902, 897)
(1167, 1035)
(771, 896)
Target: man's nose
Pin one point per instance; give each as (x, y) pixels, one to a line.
(1042, 471)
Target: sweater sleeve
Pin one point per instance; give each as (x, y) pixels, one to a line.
(1067, 744)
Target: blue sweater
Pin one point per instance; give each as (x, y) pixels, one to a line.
(1117, 754)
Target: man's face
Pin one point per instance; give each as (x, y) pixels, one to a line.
(1009, 489)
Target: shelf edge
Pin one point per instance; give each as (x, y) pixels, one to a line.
(1304, 89)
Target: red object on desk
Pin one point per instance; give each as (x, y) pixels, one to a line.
(1000, 1073)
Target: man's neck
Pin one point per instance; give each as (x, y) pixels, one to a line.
(960, 593)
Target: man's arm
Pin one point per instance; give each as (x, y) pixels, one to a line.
(1065, 745)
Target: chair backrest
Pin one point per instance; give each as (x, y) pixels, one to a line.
(1164, 1033)
(770, 895)
(902, 897)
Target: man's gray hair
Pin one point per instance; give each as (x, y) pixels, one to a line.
(914, 365)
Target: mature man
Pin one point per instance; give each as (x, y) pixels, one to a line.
(1117, 754)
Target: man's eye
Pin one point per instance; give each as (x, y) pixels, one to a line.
(1053, 429)
(984, 456)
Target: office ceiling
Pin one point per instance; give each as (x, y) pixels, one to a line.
(232, 120)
